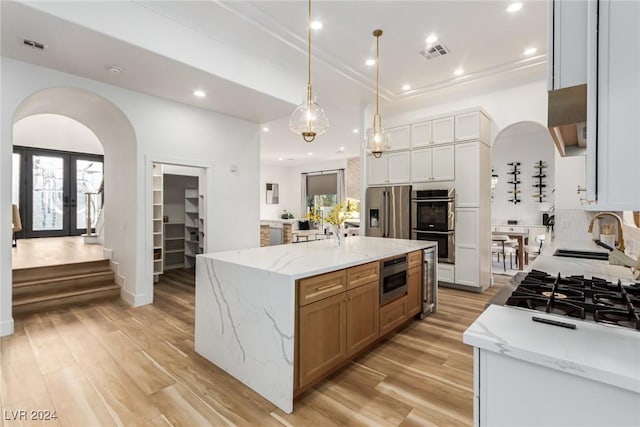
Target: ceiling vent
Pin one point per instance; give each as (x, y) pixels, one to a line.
(33, 44)
(434, 51)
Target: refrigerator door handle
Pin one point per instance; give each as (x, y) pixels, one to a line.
(385, 224)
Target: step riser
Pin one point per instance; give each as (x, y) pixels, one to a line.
(55, 303)
(51, 272)
(54, 286)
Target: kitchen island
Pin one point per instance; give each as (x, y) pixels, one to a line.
(277, 318)
(576, 372)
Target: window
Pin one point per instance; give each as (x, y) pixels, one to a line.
(322, 191)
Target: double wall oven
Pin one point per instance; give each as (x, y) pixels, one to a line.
(433, 218)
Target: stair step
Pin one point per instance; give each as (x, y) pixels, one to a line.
(49, 302)
(60, 284)
(59, 271)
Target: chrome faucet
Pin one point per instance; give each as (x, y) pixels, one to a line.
(620, 245)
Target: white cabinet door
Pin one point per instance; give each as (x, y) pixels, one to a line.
(467, 161)
(443, 164)
(442, 130)
(398, 167)
(421, 134)
(567, 26)
(467, 248)
(399, 137)
(421, 165)
(377, 170)
(467, 126)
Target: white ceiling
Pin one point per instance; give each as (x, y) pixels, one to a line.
(482, 38)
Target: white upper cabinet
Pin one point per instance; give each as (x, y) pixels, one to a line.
(433, 164)
(442, 130)
(421, 134)
(400, 139)
(472, 180)
(567, 43)
(399, 167)
(473, 125)
(391, 168)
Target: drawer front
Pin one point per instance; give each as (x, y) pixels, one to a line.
(446, 272)
(363, 274)
(392, 315)
(415, 259)
(321, 287)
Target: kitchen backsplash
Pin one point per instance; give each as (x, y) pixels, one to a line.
(572, 225)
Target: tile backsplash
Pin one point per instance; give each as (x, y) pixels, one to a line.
(572, 225)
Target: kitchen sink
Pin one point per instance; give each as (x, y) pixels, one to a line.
(569, 253)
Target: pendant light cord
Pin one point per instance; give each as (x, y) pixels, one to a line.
(377, 75)
(309, 94)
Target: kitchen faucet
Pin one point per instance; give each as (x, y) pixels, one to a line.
(620, 245)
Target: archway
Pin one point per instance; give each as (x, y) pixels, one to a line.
(526, 148)
(117, 136)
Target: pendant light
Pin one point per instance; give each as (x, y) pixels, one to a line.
(309, 119)
(378, 140)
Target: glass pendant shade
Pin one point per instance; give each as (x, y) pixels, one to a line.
(309, 120)
(378, 141)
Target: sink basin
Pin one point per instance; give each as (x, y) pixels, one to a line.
(569, 253)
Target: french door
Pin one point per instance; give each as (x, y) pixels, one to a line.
(51, 190)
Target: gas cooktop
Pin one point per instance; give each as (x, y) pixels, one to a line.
(592, 299)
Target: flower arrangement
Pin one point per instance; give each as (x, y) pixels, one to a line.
(337, 215)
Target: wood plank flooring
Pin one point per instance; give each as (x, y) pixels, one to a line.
(110, 364)
(46, 251)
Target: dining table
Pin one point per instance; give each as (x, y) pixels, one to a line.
(522, 238)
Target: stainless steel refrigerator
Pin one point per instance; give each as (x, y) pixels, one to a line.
(387, 212)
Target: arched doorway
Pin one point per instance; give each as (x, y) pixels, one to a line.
(117, 136)
(526, 148)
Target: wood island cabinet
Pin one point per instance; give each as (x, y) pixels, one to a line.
(362, 317)
(414, 291)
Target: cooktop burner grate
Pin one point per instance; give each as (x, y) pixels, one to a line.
(575, 296)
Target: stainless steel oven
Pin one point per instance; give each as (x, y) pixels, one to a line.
(393, 278)
(433, 219)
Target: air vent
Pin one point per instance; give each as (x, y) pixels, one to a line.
(33, 44)
(434, 51)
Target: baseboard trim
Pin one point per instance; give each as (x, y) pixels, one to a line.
(135, 300)
(6, 327)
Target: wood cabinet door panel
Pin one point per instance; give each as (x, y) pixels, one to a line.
(414, 291)
(322, 338)
(392, 315)
(363, 308)
(414, 259)
(319, 287)
(363, 274)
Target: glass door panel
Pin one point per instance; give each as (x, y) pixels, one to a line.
(88, 180)
(48, 193)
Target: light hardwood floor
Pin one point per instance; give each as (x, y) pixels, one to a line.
(46, 251)
(111, 364)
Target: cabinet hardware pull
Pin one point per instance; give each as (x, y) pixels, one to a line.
(325, 287)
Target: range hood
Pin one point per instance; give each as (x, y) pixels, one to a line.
(567, 120)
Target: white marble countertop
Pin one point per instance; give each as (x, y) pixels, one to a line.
(603, 353)
(551, 264)
(317, 257)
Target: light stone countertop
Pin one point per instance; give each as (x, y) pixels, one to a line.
(317, 257)
(604, 353)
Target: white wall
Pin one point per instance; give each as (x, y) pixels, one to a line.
(165, 131)
(288, 189)
(528, 149)
(56, 132)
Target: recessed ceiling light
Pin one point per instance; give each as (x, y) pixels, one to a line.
(316, 25)
(514, 7)
(265, 129)
(341, 148)
(356, 131)
(309, 153)
(114, 69)
(530, 51)
(199, 93)
(280, 158)
(431, 39)
(459, 72)
(406, 87)
(370, 62)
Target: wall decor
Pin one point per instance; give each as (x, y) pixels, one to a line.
(540, 168)
(515, 181)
